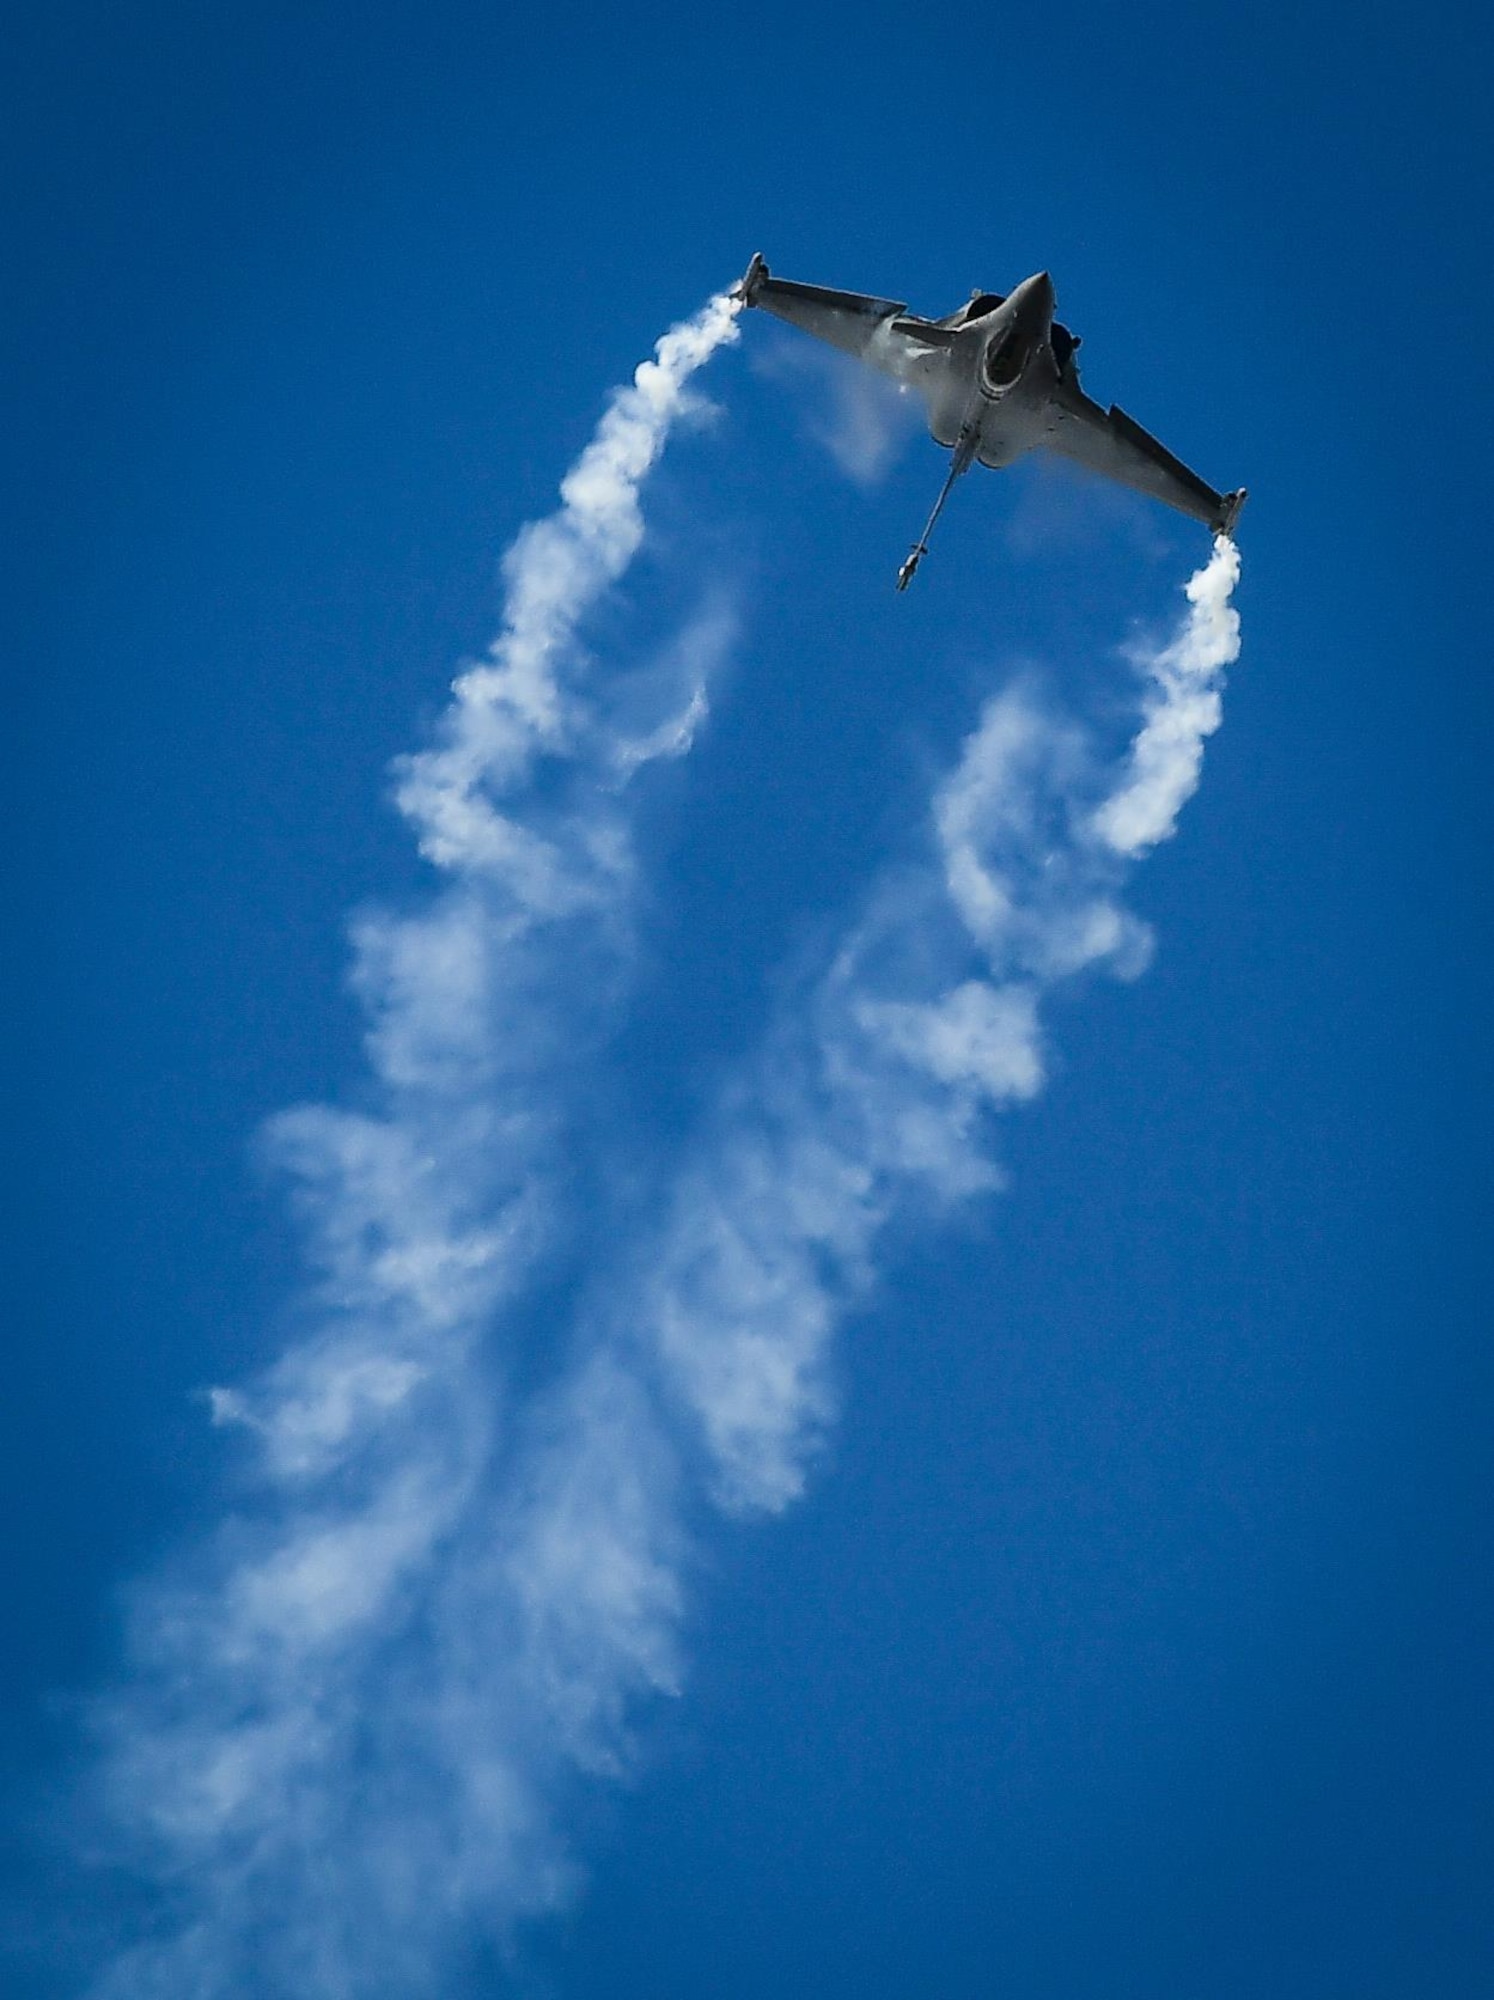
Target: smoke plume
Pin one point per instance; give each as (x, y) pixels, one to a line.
(351, 1723)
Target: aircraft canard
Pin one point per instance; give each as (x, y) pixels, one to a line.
(998, 379)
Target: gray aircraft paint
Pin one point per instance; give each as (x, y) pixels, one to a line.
(998, 379)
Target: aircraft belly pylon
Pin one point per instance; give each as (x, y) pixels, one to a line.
(961, 461)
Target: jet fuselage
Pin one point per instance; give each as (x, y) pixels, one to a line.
(997, 375)
(998, 380)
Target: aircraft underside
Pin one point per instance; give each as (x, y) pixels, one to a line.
(999, 380)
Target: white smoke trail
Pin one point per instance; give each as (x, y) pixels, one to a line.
(507, 711)
(1184, 708)
(351, 1733)
(324, 1804)
(872, 1100)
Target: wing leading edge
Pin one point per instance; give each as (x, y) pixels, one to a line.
(1111, 443)
(848, 320)
(880, 332)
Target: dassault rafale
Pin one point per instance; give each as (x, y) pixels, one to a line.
(999, 380)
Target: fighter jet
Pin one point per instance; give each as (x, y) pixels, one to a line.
(999, 380)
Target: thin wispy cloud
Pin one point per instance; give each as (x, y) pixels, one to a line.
(352, 1722)
(859, 416)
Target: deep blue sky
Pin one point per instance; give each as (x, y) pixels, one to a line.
(1136, 1638)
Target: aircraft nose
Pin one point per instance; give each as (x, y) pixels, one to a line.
(1038, 297)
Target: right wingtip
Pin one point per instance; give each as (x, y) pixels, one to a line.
(1229, 512)
(749, 285)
